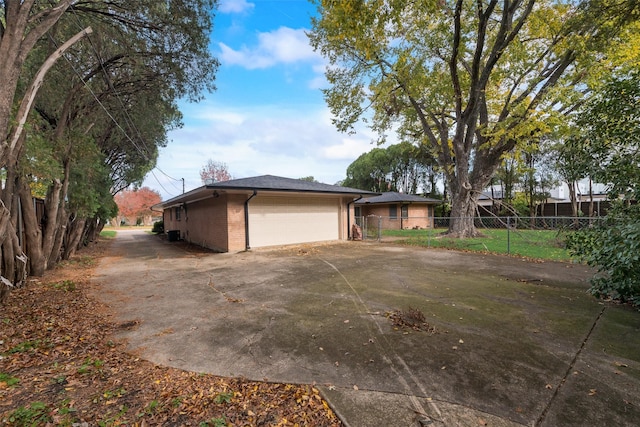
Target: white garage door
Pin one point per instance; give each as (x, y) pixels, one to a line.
(290, 220)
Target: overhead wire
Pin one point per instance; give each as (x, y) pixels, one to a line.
(128, 120)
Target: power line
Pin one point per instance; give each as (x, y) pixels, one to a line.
(160, 184)
(128, 120)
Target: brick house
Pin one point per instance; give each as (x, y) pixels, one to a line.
(398, 211)
(260, 211)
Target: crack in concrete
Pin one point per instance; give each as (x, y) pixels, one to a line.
(554, 396)
(389, 355)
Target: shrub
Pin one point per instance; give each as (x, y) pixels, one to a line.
(158, 227)
(613, 248)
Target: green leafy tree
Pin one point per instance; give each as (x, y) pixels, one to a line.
(401, 166)
(370, 171)
(101, 114)
(469, 79)
(309, 178)
(574, 162)
(611, 121)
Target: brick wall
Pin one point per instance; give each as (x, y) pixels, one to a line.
(419, 216)
(235, 218)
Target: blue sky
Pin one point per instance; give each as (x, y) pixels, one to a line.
(268, 115)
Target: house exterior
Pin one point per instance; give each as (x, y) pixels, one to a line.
(260, 211)
(397, 210)
(490, 201)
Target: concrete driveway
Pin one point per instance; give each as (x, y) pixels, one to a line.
(510, 342)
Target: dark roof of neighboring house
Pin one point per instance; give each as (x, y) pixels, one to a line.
(268, 183)
(278, 183)
(393, 197)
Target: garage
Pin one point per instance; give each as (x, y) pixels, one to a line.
(291, 220)
(261, 211)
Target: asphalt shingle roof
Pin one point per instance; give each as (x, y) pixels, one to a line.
(263, 183)
(394, 197)
(278, 183)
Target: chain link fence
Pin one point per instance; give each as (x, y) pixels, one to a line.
(527, 236)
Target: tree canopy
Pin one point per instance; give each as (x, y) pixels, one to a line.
(136, 204)
(608, 124)
(399, 167)
(214, 170)
(469, 80)
(99, 111)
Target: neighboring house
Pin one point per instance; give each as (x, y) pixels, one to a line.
(398, 211)
(558, 204)
(260, 211)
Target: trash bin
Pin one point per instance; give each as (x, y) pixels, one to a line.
(173, 235)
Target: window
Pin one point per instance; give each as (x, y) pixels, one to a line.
(404, 211)
(177, 213)
(393, 211)
(357, 211)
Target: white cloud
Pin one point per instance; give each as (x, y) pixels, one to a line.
(282, 46)
(347, 149)
(259, 140)
(235, 6)
(229, 117)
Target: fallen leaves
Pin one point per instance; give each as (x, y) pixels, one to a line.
(60, 364)
(411, 318)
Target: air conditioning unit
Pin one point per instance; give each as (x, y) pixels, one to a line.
(209, 181)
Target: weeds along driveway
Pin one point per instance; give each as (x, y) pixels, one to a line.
(519, 340)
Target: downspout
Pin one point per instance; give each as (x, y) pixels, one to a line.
(349, 216)
(246, 221)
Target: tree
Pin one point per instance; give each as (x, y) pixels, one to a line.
(101, 114)
(574, 162)
(214, 170)
(309, 178)
(411, 167)
(611, 120)
(398, 167)
(136, 204)
(468, 79)
(369, 171)
(539, 176)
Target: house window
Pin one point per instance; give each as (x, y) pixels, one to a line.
(404, 211)
(393, 211)
(357, 211)
(177, 213)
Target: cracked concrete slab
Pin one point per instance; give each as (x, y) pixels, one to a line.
(504, 331)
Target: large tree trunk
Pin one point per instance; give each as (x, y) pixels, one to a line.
(62, 218)
(463, 211)
(52, 206)
(93, 228)
(32, 232)
(73, 238)
(9, 243)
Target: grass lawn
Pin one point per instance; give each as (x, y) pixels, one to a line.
(537, 244)
(109, 234)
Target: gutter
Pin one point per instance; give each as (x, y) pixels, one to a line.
(349, 216)
(246, 220)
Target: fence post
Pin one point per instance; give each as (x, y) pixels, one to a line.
(508, 235)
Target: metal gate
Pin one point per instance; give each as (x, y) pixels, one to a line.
(371, 227)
